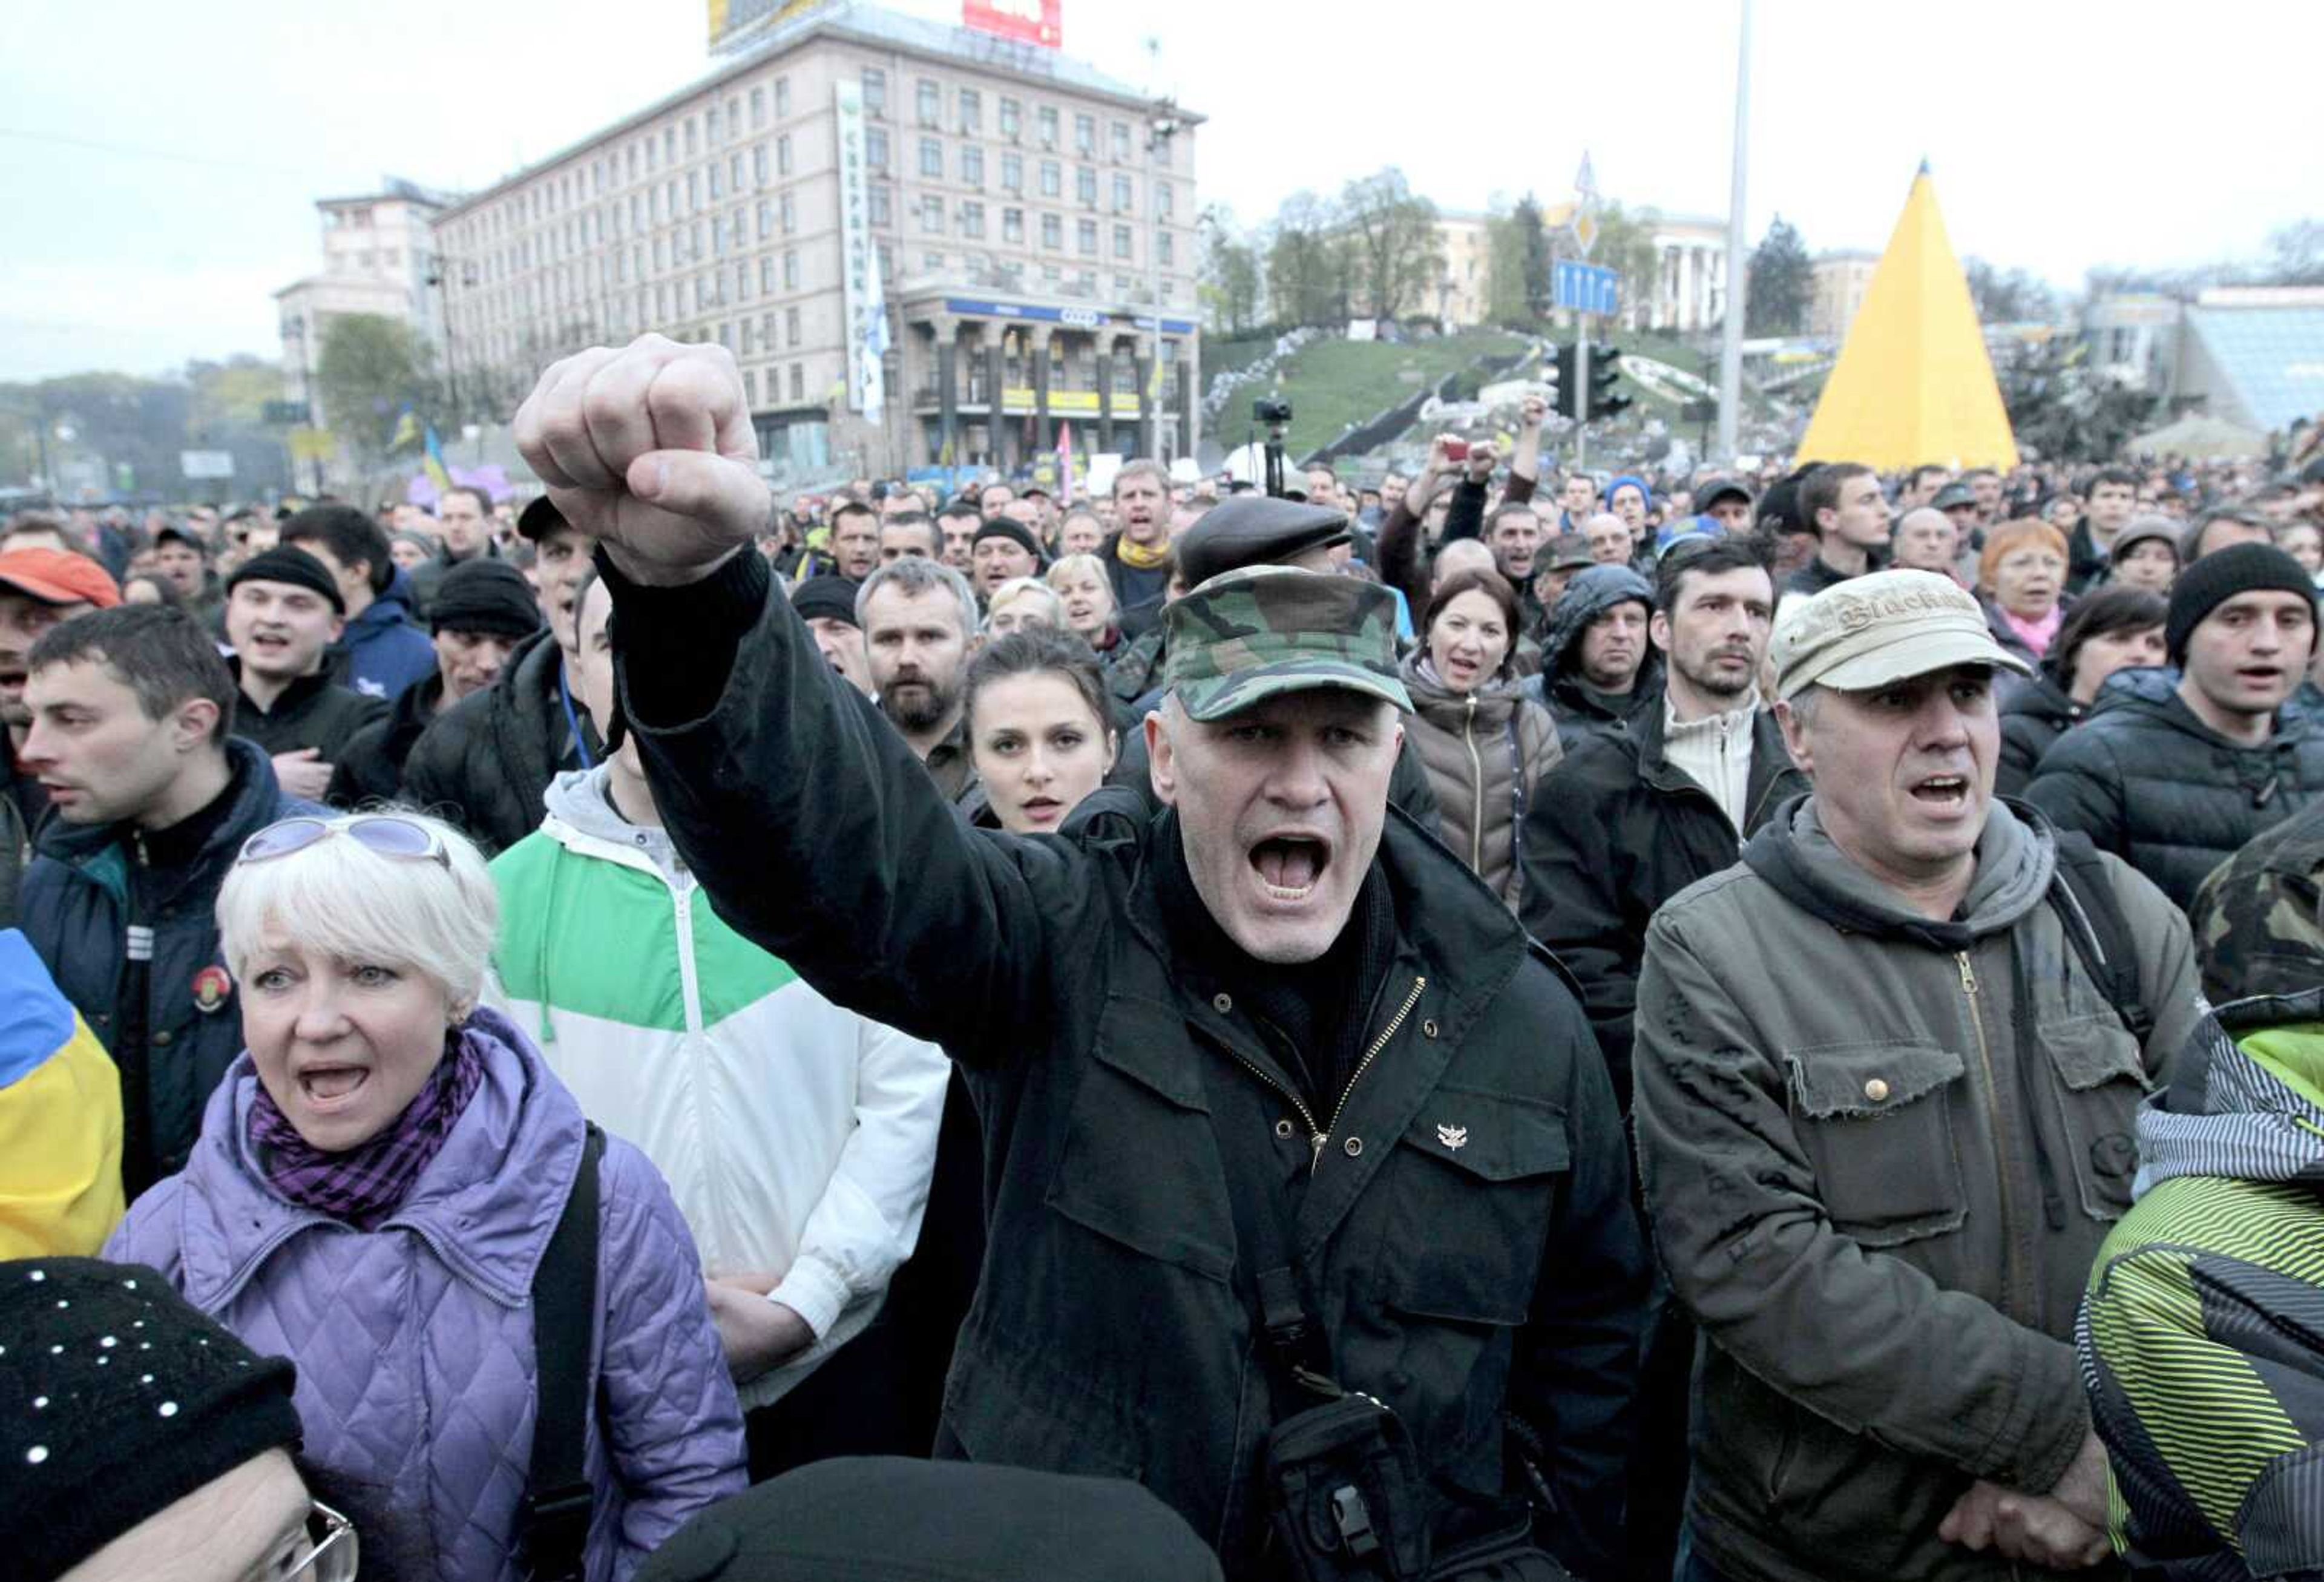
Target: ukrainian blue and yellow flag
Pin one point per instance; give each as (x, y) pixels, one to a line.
(60, 1117)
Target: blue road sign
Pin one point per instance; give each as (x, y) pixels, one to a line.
(1585, 288)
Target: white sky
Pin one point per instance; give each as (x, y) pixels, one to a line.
(2061, 135)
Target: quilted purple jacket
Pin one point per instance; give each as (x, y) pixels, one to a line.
(414, 1342)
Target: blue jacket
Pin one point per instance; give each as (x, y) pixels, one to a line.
(171, 1029)
(384, 650)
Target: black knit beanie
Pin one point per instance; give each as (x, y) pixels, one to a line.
(1003, 527)
(2220, 575)
(117, 1399)
(826, 598)
(485, 595)
(287, 563)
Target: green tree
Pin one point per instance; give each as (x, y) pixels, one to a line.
(2060, 409)
(1782, 284)
(1392, 230)
(2008, 296)
(369, 369)
(1305, 265)
(1516, 285)
(1230, 278)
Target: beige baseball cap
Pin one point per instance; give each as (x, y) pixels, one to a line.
(1886, 627)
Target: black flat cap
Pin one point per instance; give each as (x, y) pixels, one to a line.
(537, 519)
(1721, 488)
(887, 1519)
(826, 598)
(1952, 495)
(1256, 529)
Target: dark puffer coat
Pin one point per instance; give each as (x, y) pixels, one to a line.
(2033, 717)
(1486, 753)
(486, 763)
(2149, 782)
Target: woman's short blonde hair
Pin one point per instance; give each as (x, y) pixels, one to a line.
(1026, 587)
(340, 897)
(1068, 567)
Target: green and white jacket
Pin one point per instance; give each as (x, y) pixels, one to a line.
(797, 1137)
(2202, 1336)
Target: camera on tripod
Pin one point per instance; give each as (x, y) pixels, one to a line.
(1276, 413)
(1264, 410)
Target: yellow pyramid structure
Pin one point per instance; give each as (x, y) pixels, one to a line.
(1913, 383)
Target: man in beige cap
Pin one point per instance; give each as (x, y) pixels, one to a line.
(1886, 1070)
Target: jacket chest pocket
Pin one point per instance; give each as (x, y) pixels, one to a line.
(1140, 1164)
(1470, 1190)
(2099, 1077)
(1877, 1127)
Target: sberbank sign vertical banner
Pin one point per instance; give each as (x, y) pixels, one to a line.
(857, 265)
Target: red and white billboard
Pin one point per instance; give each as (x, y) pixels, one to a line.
(1029, 22)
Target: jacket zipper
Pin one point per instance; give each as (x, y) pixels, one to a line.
(1319, 1137)
(1993, 1117)
(1379, 1043)
(1477, 767)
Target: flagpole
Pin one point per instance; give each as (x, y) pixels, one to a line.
(1739, 261)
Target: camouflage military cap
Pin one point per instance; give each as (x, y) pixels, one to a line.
(1247, 636)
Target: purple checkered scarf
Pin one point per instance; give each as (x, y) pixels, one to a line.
(369, 1182)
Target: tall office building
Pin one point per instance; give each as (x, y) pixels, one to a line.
(1018, 217)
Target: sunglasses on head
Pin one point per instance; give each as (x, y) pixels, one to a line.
(383, 833)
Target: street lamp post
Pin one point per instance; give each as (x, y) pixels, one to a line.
(1161, 126)
(439, 277)
(1738, 264)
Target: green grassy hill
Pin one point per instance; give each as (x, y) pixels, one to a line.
(1333, 385)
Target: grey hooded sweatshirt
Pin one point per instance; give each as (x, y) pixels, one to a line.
(1879, 1155)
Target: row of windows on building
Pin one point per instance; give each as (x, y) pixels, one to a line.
(969, 219)
(969, 164)
(968, 118)
(746, 111)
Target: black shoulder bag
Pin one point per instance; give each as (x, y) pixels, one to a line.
(553, 1525)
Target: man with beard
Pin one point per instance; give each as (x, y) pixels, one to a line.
(1620, 825)
(1597, 672)
(39, 589)
(918, 618)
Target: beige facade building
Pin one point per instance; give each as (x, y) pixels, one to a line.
(1464, 288)
(1841, 281)
(1688, 293)
(376, 252)
(1026, 214)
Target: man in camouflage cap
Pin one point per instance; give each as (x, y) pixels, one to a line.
(1273, 1005)
(2259, 918)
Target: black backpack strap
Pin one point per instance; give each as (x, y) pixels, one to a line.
(2100, 933)
(555, 1524)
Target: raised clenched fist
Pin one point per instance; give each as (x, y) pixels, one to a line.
(649, 449)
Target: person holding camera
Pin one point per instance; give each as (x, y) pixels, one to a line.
(1307, 1192)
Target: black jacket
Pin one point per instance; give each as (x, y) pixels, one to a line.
(313, 710)
(485, 764)
(1617, 829)
(1813, 578)
(1458, 1215)
(90, 884)
(370, 767)
(2033, 717)
(2149, 782)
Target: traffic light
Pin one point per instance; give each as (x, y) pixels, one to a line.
(1569, 388)
(1605, 375)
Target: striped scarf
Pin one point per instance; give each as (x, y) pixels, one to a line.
(364, 1184)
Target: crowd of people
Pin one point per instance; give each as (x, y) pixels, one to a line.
(1737, 1027)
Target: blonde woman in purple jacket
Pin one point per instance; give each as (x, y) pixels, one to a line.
(377, 1180)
